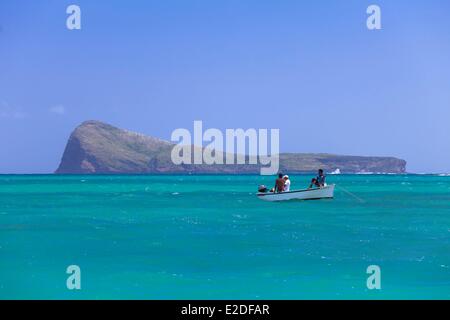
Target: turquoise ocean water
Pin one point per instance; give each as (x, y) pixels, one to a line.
(209, 237)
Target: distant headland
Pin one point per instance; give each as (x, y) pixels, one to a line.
(95, 147)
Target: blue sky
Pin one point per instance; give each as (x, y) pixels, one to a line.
(310, 68)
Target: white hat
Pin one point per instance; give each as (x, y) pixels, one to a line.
(286, 177)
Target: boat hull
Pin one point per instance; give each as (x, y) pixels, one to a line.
(305, 194)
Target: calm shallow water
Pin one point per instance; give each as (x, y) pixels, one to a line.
(209, 237)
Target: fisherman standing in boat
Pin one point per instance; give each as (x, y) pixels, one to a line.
(318, 181)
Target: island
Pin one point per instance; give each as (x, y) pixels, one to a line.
(95, 147)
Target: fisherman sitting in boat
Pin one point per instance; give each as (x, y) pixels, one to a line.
(318, 181)
(279, 183)
(287, 183)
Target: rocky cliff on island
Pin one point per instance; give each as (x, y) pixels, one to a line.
(95, 147)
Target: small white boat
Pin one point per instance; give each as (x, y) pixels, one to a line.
(304, 194)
